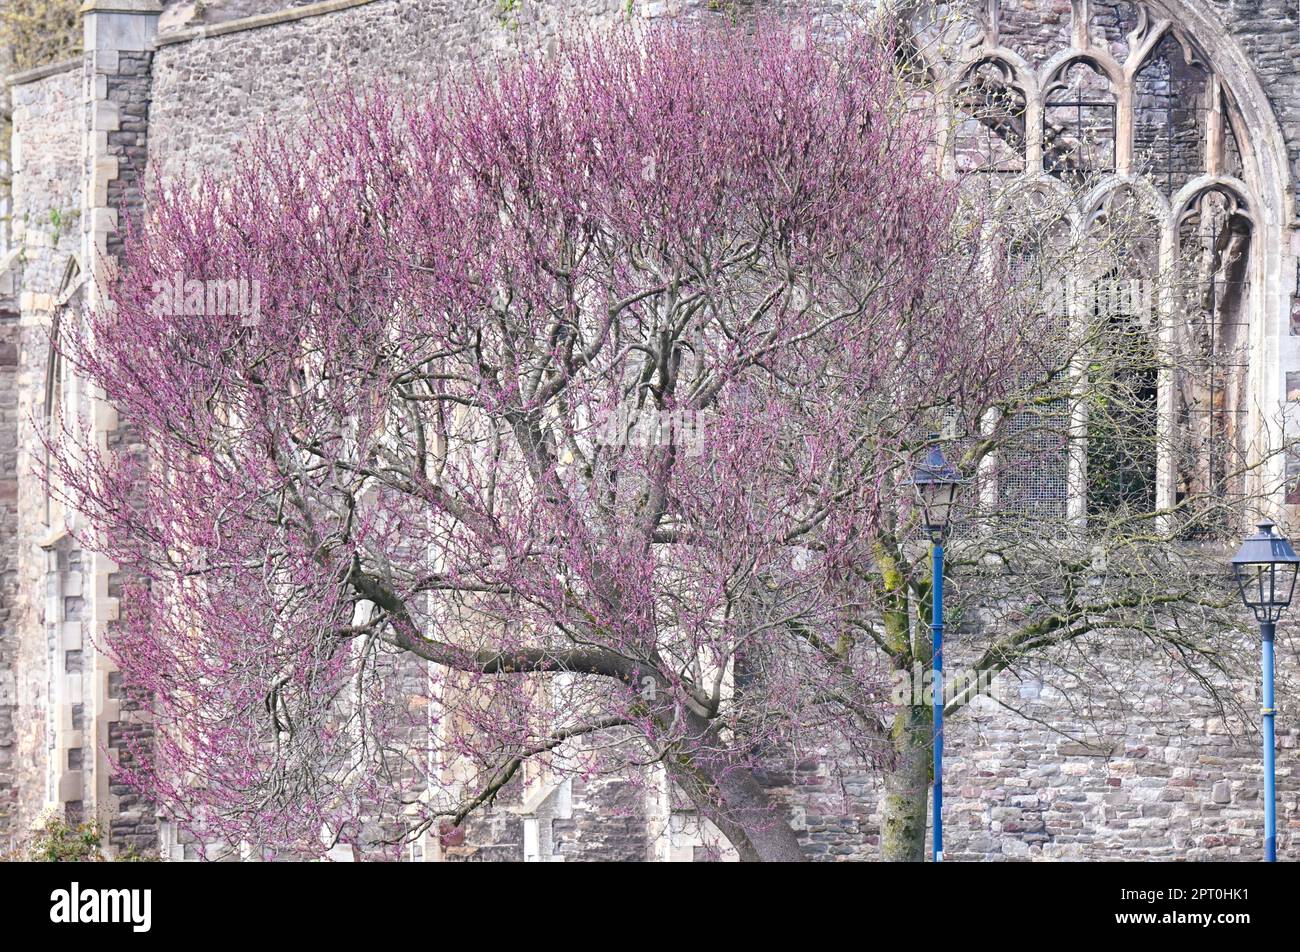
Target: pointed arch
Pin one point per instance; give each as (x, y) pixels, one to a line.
(990, 118)
(1152, 202)
(1188, 118)
(1266, 171)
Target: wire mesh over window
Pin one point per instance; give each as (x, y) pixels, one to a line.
(1033, 469)
(1117, 313)
(1033, 466)
(1122, 394)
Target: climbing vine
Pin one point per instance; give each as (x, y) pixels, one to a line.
(38, 32)
(32, 33)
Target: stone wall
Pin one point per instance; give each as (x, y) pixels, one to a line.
(118, 83)
(79, 157)
(46, 232)
(1180, 780)
(179, 14)
(279, 73)
(1156, 772)
(1269, 34)
(10, 339)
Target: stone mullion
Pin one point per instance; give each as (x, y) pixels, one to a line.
(1214, 128)
(1080, 15)
(1166, 384)
(1034, 134)
(1077, 473)
(1124, 127)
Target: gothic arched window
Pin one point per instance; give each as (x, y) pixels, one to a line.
(990, 125)
(1171, 111)
(1115, 102)
(1079, 124)
(1214, 240)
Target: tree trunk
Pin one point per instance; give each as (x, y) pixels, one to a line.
(727, 794)
(907, 777)
(907, 787)
(753, 824)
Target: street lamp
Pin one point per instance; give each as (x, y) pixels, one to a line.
(1265, 569)
(936, 482)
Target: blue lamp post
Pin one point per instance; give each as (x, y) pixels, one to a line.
(1265, 569)
(936, 482)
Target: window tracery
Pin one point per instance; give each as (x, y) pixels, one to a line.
(1120, 105)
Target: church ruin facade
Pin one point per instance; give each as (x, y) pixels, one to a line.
(1188, 110)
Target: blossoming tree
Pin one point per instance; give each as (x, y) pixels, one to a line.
(578, 395)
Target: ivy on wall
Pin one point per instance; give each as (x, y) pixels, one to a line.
(32, 33)
(37, 32)
(56, 838)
